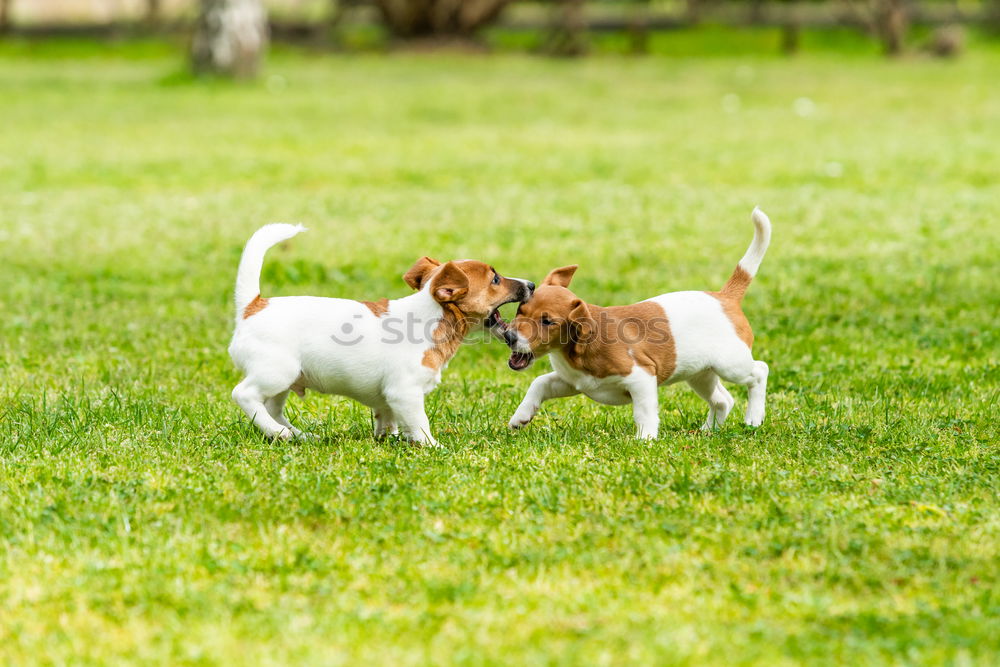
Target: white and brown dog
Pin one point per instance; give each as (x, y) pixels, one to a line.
(621, 354)
(385, 354)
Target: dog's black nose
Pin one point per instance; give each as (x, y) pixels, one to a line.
(531, 286)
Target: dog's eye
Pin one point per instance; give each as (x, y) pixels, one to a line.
(546, 322)
(496, 278)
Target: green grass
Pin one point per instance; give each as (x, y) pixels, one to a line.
(143, 520)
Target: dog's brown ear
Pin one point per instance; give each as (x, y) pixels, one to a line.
(450, 283)
(582, 326)
(418, 272)
(560, 277)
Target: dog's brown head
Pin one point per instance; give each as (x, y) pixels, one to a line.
(474, 288)
(552, 318)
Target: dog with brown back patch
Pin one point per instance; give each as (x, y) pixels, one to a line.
(386, 354)
(621, 354)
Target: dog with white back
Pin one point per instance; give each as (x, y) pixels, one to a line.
(621, 354)
(385, 354)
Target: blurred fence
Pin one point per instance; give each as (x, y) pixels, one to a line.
(565, 22)
(598, 14)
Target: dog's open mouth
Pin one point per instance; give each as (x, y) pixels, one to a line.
(520, 360)
(495, 321)
(500, 328)
(504, 331)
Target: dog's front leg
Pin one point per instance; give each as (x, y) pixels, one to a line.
(542, 389)
(641, 387)
(408, 407)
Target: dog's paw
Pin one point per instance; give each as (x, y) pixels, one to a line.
(423, 440)
(517, 422)
(522, 416)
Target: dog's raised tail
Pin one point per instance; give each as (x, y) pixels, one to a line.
(744, 272)
(252, 260)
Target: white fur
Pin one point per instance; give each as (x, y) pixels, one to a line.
(334, 346)
(707, 349)
(761, 239)
(252, 260)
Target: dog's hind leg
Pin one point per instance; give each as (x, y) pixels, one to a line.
(250, 397)
(385, 422)
(753, 375)
(276, 407)
(757, 395)
(719, 400)
(264, 382)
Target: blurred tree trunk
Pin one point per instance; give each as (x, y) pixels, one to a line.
(153, 8)
(337, 11)
(992, 14)
(791, 30)
(422, 19)
(692, 11)
(567, 37)
(5, 6)
(638, 27)
(790, 37)
(891, 23)
(230, 38)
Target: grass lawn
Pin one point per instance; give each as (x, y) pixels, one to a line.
(143, 520)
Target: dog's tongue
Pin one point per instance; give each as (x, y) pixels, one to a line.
(519, 361)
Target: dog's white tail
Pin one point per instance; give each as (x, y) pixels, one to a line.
(248, 275)
(737, 284)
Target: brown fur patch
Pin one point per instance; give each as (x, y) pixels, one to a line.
(730, 297)
(448, 336)
(560, 277)
(737, 284)
(378, 308)
(628, 336)
(483, 296)
(471, 300)
(258, 304)
(418, 272)
(731, 307)
(599, 341)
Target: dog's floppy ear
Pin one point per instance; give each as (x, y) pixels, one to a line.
(418, 272)
(560, 277)
(582, 326)
(450, 283)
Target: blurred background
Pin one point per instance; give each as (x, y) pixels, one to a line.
(557, 27)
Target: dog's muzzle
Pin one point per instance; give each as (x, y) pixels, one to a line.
(500, 327)
(527, 289)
